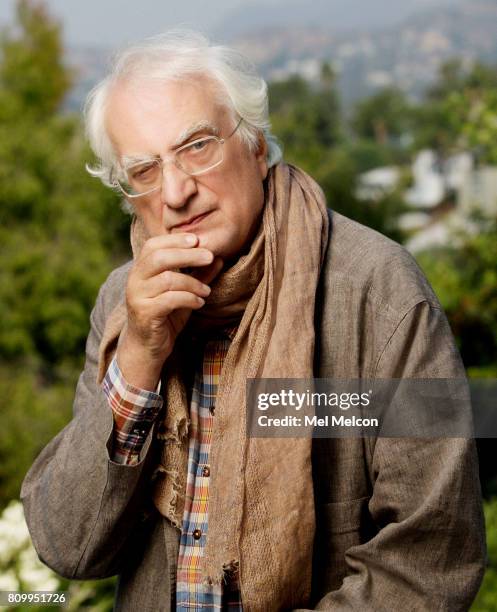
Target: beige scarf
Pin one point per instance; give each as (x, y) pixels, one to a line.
(261, 505)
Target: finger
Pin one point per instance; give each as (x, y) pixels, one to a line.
(161, 260)
(169, 241)
(170, 301)
(174, 281)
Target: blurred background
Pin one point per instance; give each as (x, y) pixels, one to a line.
(391, 106)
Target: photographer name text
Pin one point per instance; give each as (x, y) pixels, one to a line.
(315, 421)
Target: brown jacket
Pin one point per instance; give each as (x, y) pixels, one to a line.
(399, 523)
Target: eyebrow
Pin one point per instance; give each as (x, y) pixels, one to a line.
(130, 160)
(199, 126)
(186, 134)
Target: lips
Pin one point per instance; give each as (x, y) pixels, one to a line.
(189, 223)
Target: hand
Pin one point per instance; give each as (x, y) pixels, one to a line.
(160, 299)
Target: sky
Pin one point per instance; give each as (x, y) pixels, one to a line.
(116, 22)
(111, 23)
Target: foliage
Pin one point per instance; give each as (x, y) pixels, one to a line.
(35, 87)
(460, 112)
(455, 75)
(383, 117)
(61, 233)
(369, 154)
(486, 601)
(305, 117)
(35, 411)
(51, 214)
(308, 122)
(478, 123)
(465, 279)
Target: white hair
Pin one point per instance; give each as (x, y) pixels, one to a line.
(174, 55)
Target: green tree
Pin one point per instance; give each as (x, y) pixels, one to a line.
(61, 233)
(32, 73)
(478, 123)
(460, 112)
(486, 601)
(464, 277)
(383, 117)
(308, 121)
(306, 117)
(455, 75)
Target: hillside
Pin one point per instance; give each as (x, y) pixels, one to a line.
(406, 53)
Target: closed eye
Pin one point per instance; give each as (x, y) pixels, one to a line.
(142, 171)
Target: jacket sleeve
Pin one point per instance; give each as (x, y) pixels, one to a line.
(429, 550)
(80, 506)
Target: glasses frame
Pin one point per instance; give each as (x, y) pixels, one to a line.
(161, 161)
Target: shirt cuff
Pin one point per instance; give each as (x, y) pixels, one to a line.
(134, 411)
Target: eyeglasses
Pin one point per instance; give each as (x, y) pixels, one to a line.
(194, 158)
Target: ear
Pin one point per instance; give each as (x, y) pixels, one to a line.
(261, 155)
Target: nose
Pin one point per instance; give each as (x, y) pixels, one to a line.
(177, 187)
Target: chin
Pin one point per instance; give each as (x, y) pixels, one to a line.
(220, 246)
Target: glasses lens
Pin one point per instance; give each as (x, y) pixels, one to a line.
(200, 155)
(141, 178)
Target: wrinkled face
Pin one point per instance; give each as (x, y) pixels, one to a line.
(223, 206)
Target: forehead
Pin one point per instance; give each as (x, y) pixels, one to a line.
(150, 116)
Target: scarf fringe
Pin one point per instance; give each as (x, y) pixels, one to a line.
(173, 498)
(225, 576)
(178, 434)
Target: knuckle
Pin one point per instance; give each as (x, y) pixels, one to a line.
(156, 258)
(167, 280)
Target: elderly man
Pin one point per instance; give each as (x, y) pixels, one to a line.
(240, 271)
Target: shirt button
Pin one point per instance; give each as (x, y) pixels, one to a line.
(197, 534)
(212, 409)
(206, 471)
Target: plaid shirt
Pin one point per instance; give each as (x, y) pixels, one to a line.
(134, 413)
